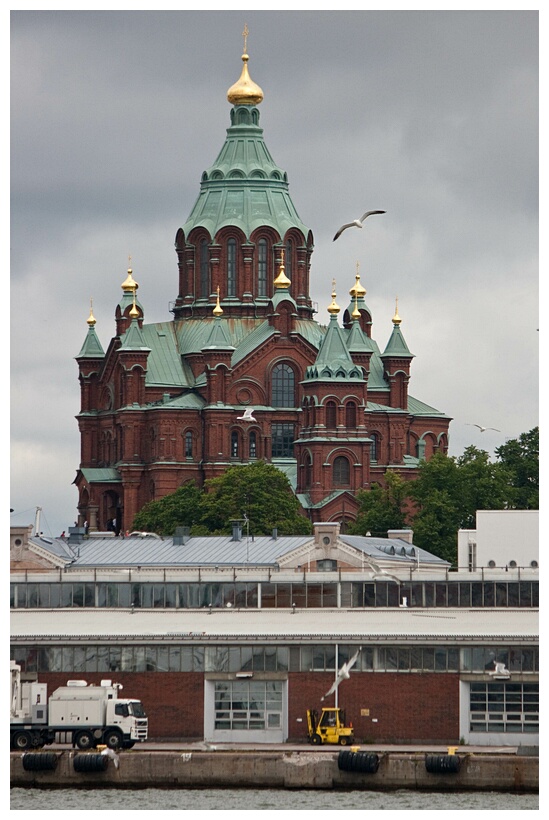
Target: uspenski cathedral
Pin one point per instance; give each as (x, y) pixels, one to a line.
(243, 370)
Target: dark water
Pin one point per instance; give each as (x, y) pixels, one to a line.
(264, 800)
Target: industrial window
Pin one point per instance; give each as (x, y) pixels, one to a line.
(282, 440)
(341, 472)
(262, 267)
(231, 267)
(283, 386)
(204, 269)
(248, 705)
(504, 707)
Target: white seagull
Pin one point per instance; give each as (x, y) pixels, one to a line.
(248, 415)
(379, 571)
(483, 429)
(343, 673)
(356, 223)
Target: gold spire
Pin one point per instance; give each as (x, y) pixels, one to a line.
(134, 312)
(129, 283)
(245, 91)
(282, 280)
(91, 320)
(357, 289)
(396, 318)
(218, 310)
(356, 312)
(334, 308)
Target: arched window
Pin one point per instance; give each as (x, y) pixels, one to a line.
(283, 386)
(331, 415)
(374, 447)
(262, 267)
(308, 472)
(288, 258)
(231, 267)
(204, 269)
(350, 414)
(188, 444)
(234, 444)
(253, 445)
(342, 472)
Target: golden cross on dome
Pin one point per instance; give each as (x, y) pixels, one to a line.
(245, 35)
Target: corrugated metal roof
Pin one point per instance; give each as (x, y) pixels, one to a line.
(229, 625)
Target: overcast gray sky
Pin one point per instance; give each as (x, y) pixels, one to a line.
(431, 116)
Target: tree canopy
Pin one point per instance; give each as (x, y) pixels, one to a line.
(257, 494)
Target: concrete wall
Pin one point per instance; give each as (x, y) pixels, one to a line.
(502, 536)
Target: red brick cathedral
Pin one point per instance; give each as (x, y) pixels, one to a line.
(243, 371)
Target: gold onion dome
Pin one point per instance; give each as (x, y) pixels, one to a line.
(282, 280)
(129, 284)
(356, 312)
(134, 312)
(218, 310)
(91, 320)
(396, 318)
(245, 91)
(357, 289)
(333, 308)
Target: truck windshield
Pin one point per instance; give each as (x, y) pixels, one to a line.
(136, 708)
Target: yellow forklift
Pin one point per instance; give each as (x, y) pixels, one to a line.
(329, 727)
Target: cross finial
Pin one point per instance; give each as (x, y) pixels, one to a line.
(357, 266)
(245, 35)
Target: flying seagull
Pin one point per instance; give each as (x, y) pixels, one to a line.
(356, 223)
(379, 571)
(343, 673)
(483, 429)
(248, 415)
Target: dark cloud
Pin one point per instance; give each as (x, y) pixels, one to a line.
(430, 115)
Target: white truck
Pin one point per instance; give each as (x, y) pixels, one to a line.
(84, 715)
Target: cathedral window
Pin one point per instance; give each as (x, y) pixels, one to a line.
(331, 415)
(374, 447)
(350, 414)
(204, 269)
(308, 476)
(235, 444)
(283, 386)
(188, 444)
(253, 445)
(262, 267)
(341, 472)
(288, 259)
(231, 267)
(282, 437)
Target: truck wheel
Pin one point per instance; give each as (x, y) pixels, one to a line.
(22, 741)
(84, 741)
(316, 740)
(113, 739)
(128, 744)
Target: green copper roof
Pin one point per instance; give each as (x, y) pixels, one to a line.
(244, 187)
(396, 346)
(91, 349)
(357, 340)
(133, 338)
(219, 336)
(334, 360)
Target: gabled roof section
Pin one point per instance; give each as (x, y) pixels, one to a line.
(396, 346)
(334, 361)
(133, 338)
(91, 349)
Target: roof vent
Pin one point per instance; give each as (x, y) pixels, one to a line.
(491, 563)
(181, 536)
(237, 530)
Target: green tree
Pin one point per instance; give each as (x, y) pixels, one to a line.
(382, 508)
(520, 457)
(179, 509)
(258, 491)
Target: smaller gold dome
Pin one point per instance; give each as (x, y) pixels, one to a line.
(396, 318)
(333, 308)
(129, 284)
(358, 289)
(134, 312)
(282, 280)
(356, 312)
(218, 310)
(91, 320)
(245, 91)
